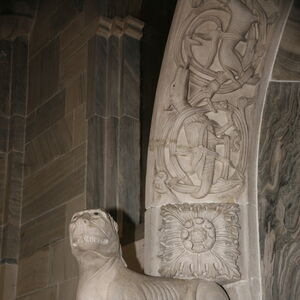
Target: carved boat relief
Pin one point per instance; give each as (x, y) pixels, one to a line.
(204, 127)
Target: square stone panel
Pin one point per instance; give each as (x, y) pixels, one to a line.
(200, 241)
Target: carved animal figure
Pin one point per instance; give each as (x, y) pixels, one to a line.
(103, 272)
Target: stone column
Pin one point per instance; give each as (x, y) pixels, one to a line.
(113, 157)
(13, 89)
(201, 218)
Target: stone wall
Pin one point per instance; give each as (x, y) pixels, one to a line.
(278, 176)
(69, 150)
(55, 150)
(13, 78)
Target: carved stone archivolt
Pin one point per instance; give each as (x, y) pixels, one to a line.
(200, 241)
(204, 139)
(202, 149)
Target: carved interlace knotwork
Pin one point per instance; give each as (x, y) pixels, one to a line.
(201, 151)
(200, 240)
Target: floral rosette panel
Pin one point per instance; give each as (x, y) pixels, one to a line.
(200, 240)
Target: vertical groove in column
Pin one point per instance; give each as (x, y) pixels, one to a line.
(113, 173)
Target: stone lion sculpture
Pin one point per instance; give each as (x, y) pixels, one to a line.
(103, 274)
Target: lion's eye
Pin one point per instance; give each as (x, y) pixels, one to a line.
(96, 213)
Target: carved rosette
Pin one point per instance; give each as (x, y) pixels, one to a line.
(200, 240)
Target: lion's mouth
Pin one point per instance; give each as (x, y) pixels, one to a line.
(89, 240)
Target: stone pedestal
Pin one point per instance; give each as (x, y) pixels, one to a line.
(201, 218)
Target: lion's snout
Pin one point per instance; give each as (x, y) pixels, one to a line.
(88, 230)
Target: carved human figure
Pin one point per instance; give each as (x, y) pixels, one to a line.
(103, 274)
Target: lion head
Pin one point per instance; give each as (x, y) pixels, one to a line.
(94, 232)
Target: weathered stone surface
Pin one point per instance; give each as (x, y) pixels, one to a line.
(76, 92)
(114, 68)
(34, 83)
(66, 189)
(43, 75)
(113, 113)
(80, 125)
(97, 77)
(115, 74)
(55, 141)
(72, 31)
(287, 64)
(4, 125)
(279, 191)
(17, 133)
(33, 272)
(19, 77)
(5, 71)
(3, 161)
(8, 278)
(113, 159)
(10, 242)
(111, 8)
(63, 265)
(73, 66)
(42, 231)
(45, 294)
(45, 116)
(96, 162)
(12, 208)
(64, 13)
(133, 254)
(129, 168)
(80, 40)
(130, 99)
(14, 25)
(36, 184)
(40, 34)
(67, 290)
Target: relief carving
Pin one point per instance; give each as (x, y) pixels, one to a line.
(200, 240)
(201, 152)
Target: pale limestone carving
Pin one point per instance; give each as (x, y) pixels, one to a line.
(202, 150)
(203, 143)
(103, 272)
(200, 240)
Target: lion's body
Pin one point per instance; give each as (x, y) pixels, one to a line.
(104, 276)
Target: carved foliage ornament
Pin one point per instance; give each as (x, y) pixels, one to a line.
(202, 150)
(200, 240)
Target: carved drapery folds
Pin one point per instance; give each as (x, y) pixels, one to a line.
(204, 139)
